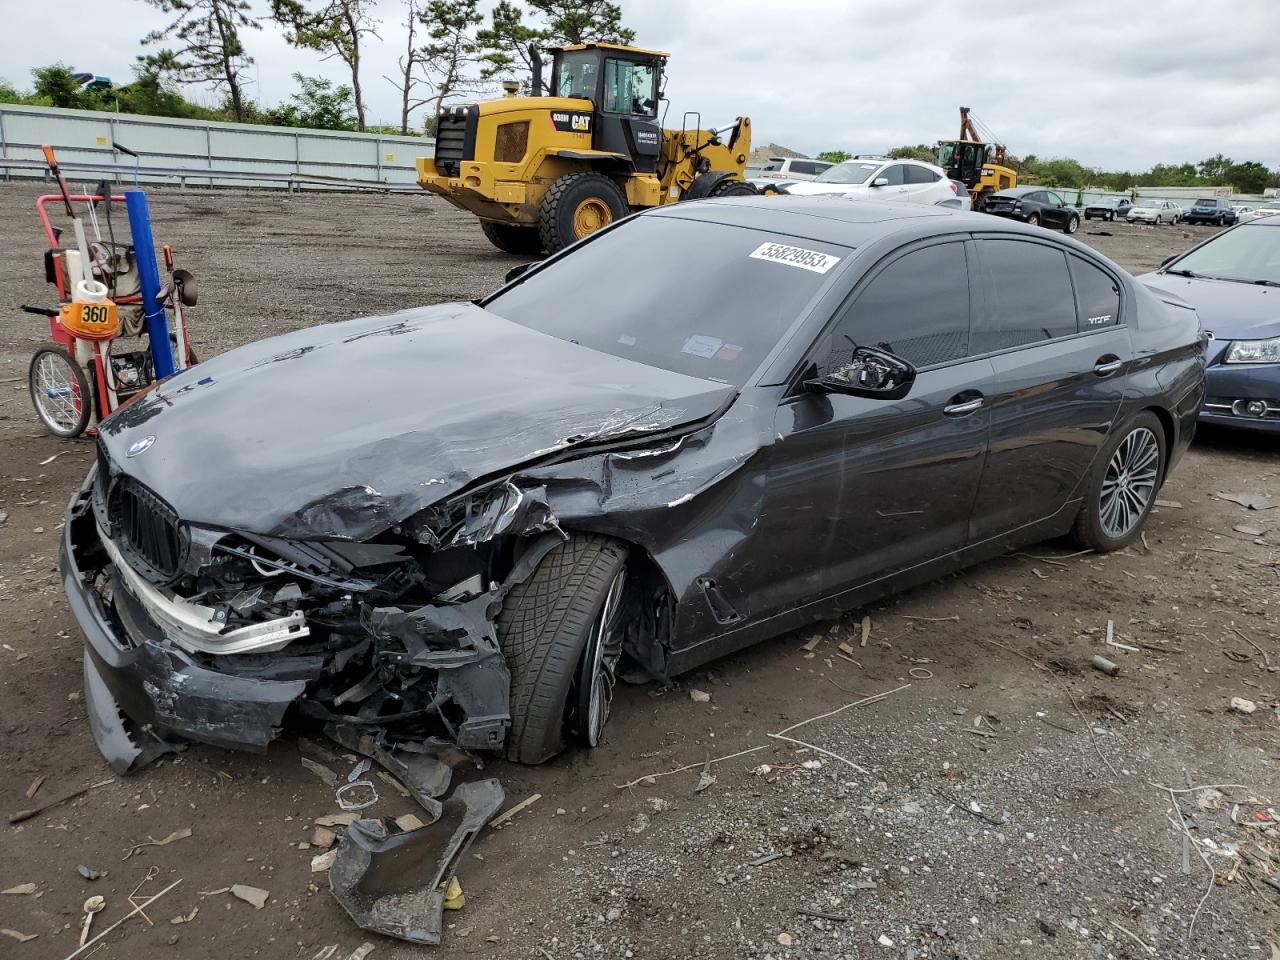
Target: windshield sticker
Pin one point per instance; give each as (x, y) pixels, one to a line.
(795, 257)
(729, 351)
(701, 346)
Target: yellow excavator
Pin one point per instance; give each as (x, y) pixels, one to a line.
(542, 172)
(981, 166)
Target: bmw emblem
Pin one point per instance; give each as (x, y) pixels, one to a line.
(140, 446)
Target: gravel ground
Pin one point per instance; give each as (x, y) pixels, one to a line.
(996, 801)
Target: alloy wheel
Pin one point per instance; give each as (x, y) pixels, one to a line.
(1129, 484)
(600, 660)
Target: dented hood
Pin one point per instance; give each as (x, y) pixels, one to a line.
(341, 430)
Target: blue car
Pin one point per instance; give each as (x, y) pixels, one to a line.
(1233, 281)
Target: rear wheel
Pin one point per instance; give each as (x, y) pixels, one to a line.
(510, 238)
(561, 633)
(1123, 489)
(733, 188)
(576, 206)
(59, 392)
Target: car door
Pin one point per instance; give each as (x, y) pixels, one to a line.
(1051, 321)
(860, 488)
(895, 188)
(920, 182)
(1055, 210)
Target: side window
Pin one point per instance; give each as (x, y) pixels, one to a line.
(1097, 296)
(802, 167)
(893, 174)
(916, 308)
(1053, 199)
(630, 88)
(1037, 197)
(1029, 296)
(917, 174)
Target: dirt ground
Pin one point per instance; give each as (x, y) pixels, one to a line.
(999, 801)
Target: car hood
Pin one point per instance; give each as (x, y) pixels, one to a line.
(342, 430)
(810, 188)
(1229, 310)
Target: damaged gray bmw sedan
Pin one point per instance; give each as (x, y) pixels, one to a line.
(703, 426)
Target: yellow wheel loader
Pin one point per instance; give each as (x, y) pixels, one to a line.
(980, 166)
(542, 172)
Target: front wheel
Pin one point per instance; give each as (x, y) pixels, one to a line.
(1034, 219)
(1127, 475)
(1073, 224)
(59, 392)
(561, 633)
(576, 206)
(734, 188)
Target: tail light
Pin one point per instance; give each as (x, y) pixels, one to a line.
(954, 188)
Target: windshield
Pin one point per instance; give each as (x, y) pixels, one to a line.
(576, 77)
(848, 172)
(1250, 253)
(693, 297)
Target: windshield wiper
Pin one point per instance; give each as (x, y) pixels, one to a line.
(1267, 283)
(1184, 273)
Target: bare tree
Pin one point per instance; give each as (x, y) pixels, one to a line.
(408, 79)
(209, 49)
(453, 49)
(336, 28)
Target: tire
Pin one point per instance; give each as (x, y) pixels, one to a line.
(1073, 224)
(59, 392)
(733, 188)
(510, 238)
(545, 627)
(576, 206)
(1111, 218)
(1097, 527)
(1034, 220)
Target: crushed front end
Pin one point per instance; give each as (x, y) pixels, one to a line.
(195, 633)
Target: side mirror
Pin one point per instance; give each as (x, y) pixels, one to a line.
(516, 272)
(870, 373)
(880, 182)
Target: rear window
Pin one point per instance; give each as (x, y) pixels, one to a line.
(1097, 296)
(1029, 296)
(733, 292)
(920, 174)
(773, 165)
(1206, 203)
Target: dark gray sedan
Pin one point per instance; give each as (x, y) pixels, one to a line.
(701, 427)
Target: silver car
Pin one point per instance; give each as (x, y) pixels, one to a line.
(1154, 211)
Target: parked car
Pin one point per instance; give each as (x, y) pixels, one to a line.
(1034, 205)
(1107, 208)
(852, 398)
(880, 178)
(1233, 281)
(1212, 210)
(1153, 211)
(1269, 209)
(791, 169)
(959, 200)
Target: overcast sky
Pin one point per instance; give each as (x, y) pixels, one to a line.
(1113, 84)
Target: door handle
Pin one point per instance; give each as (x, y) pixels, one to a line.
(963, 408)
(1107, 365)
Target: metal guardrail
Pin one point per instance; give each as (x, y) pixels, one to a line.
(120, 173)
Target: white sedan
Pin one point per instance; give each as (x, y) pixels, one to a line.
(1269, 209)
(880, 178)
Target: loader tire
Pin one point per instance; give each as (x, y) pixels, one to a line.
(510, 238)
(543, 629)
(576, 206)
(734, 188)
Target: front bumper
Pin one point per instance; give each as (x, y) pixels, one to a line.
(144, 694)
(1231, 386)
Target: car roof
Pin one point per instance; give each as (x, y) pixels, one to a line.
(833, 218)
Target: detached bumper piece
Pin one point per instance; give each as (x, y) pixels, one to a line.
(394, 882)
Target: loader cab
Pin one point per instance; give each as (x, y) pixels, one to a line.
(624, 85)
(963, 160)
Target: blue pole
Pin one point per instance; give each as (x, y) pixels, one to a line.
(144, 248)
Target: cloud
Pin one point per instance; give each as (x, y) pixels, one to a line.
(1113, 85)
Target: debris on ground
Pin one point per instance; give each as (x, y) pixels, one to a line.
(320, 770)
(1250, 501)
(92, 907)
(180, 834)
(251, 895)
(1103, 665)
(508, 814)
(1241, 705)
(57, 801)
(35, 786)
(699, 696)
(21, 890)
(1249, 530)
(323, 861)
(323, 837)
(394, 882)
(88, 872)
(705, 779)
(185, 918)
(336, 820)
(18, 935)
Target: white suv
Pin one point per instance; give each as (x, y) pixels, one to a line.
(880, 178)
(792, 168)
